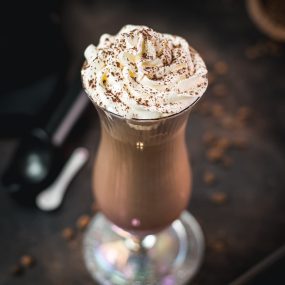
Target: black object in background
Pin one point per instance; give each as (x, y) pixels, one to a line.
(34, 58)
(34, 47)
(270, 271)
(33, 166)
(40, 156)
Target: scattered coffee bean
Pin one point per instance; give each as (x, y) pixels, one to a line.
(214, 154)
(83, 222)
(218, 198)
(68, 234)
(209, 178)
(27, 261)
(223, 143)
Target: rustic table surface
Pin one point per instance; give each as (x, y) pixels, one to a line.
(235, 139)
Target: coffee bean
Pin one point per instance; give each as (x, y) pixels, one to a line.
(218, 198)
(68, 234)
(83, 222)
(214, 154)
(27, 261)
(209, 178)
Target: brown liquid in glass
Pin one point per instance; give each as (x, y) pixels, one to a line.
(142, 177)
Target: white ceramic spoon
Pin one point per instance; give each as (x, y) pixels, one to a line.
(51, 198)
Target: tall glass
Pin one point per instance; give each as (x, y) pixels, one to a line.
(142, 183)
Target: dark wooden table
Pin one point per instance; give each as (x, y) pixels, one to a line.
(242, 213)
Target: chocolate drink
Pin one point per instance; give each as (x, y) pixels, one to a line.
(143, 85)
(142, 176)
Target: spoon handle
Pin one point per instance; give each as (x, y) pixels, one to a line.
(72, 166)
(51, 198)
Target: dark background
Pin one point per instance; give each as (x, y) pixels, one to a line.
(42, 39)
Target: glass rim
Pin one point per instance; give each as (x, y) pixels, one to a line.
(187, 109)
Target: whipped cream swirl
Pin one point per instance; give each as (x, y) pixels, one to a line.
(142, 74)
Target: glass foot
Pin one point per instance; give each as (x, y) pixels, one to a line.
(115, 257)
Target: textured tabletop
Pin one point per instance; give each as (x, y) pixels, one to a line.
(235, 137)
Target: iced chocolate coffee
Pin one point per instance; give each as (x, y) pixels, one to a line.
(142, 84)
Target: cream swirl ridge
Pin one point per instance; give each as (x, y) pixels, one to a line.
(142, 74)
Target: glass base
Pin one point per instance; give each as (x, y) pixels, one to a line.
(116, 257)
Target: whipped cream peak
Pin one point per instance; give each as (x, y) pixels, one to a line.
(142, 74)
